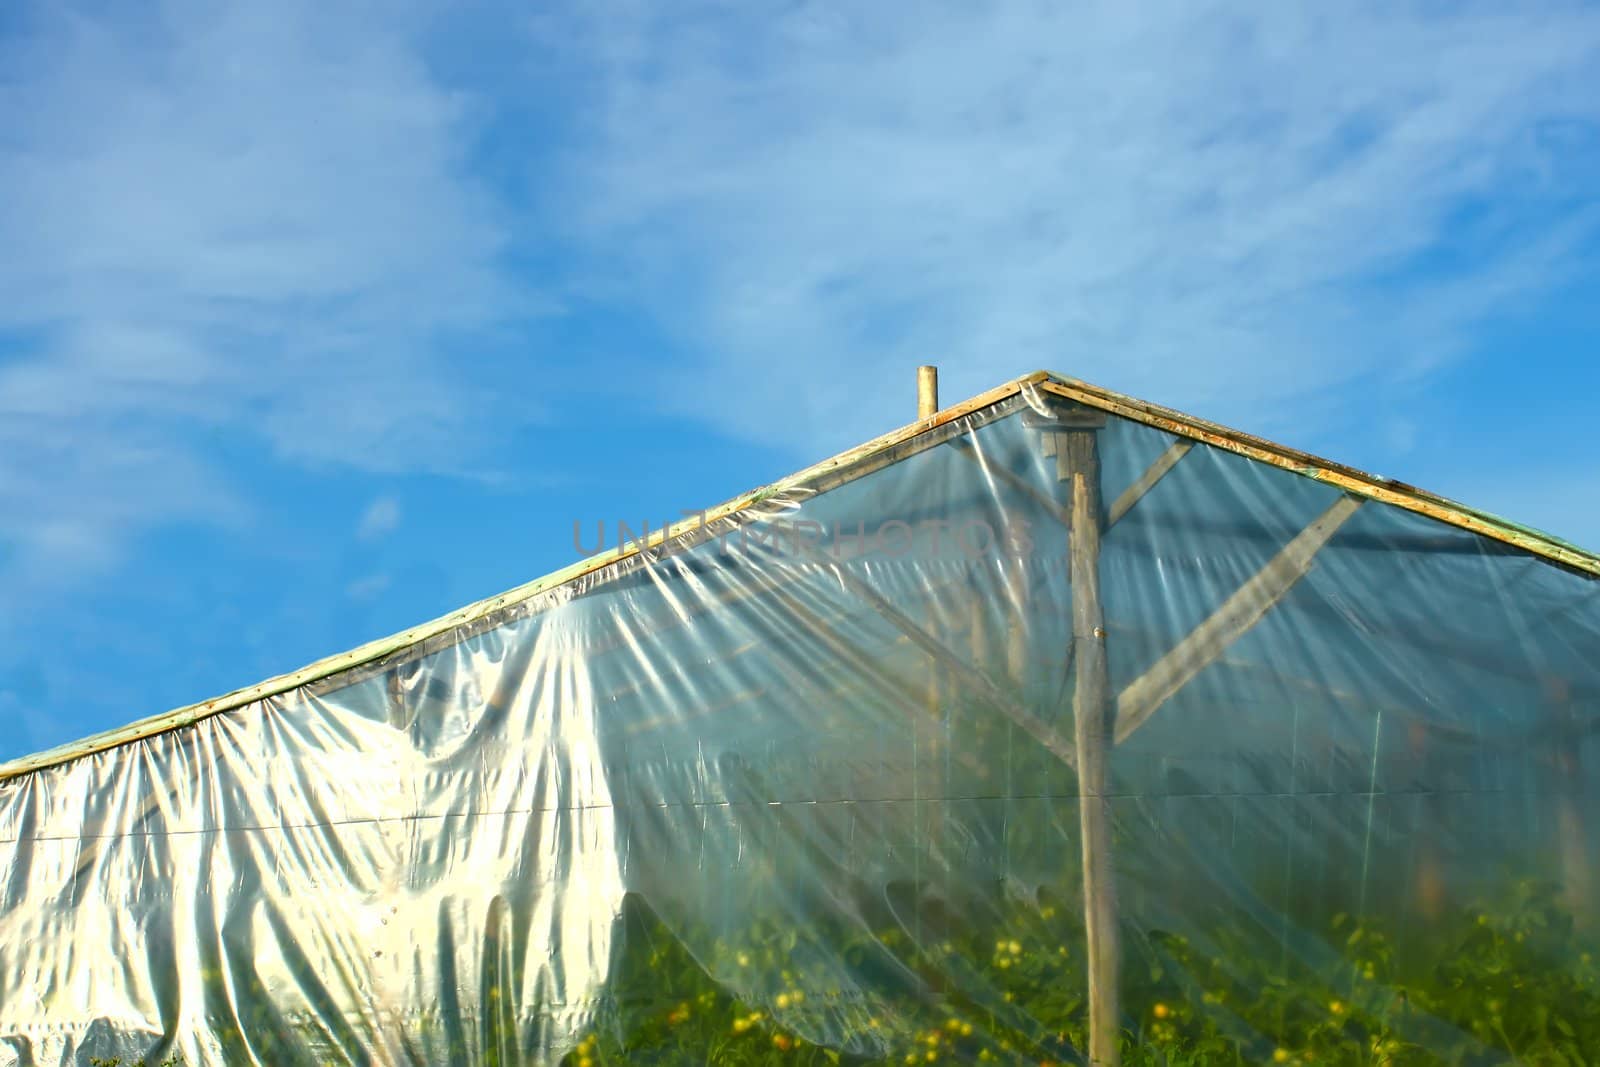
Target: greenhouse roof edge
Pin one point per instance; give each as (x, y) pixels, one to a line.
(845, 466)
(1384, 490)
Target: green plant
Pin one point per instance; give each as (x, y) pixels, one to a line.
(997, 977)
(1494, 986)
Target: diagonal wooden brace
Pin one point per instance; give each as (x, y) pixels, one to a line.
(1241, 611)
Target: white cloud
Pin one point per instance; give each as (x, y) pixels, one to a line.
(1219, 205)
(272, 221)
(250, 222)
(368, 588)
(381, 517)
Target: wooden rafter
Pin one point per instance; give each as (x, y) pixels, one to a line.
(1051, 507)
(846, 466)
(1384, 490)
(1147, 481)
(874, 455)
(1241, 611)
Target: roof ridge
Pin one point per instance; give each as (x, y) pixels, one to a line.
(383, 647)
(845, 466)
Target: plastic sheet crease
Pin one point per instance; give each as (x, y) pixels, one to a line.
(815, 747)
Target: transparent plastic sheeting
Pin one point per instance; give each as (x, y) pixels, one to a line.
(784, 771)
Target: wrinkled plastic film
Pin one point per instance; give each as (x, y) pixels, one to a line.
(806, 776)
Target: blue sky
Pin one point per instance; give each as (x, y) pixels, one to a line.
(320, 319)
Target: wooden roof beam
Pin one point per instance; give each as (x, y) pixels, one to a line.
(1241, 611)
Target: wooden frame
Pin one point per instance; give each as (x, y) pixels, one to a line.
(1383, 490)
(1101, 721)
(847, 466)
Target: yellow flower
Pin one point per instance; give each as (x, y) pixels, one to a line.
(952, 1025)
(1336, 1007)
(966, 1029)
(741, 1025)
(744, 960)
(1161, 1011)
(1280, 1055)
(1015, 947)
(783, 1000)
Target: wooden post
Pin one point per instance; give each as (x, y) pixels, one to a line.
(1572, 834)
(1074, 433)
(927, 391)
(1079, 453)
(1429, 877)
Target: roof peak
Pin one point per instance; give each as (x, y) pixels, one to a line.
(835, 470)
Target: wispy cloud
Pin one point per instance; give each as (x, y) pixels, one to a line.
(1227, 205)
(381, 518)
(363, 589)
(279, 224)
(255, 225)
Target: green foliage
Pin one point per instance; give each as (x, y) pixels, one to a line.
(1001, 981)
(1498, 986)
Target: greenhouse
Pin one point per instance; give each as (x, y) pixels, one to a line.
(1055, 727)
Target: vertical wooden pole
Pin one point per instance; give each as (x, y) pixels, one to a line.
(928, 405)
(1429, 878)
(1078, 463)
(927, 391)
(935, 727)
(1572, 834)
(1016, 582)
